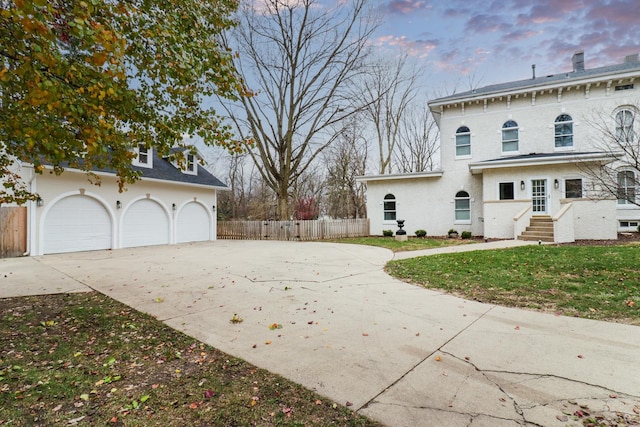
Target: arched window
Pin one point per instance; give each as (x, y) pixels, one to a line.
(626, 187)
(509, 136)
(463, 206)
(624, 126)
(463, 141)
(564, 131)
(389, 207)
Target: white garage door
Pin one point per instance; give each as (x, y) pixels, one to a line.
(193, 223)
(145, 224)
(77, 223)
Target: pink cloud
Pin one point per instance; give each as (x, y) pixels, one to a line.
(405, 7)
(483, 23)
(416, 48)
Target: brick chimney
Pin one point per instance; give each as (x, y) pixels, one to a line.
(631, 58)
(578, 61)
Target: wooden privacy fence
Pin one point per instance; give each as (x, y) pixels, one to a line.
(293, 230)
(13, 231)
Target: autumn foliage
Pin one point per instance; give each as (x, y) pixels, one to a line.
(82, 82)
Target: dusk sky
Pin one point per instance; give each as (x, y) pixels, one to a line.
(495, 41)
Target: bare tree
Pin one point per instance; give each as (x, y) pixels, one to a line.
(616, 174)
(302, 57)
(418, 141)
(345, 160)
(390, 87)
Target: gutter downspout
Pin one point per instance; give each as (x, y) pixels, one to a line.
(31, 184)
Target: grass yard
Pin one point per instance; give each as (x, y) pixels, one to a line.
(596, 282)
(412, 244)
(86, 359)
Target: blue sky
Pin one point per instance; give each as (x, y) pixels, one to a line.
(463, 42)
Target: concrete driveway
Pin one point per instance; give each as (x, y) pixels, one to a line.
(397, 353)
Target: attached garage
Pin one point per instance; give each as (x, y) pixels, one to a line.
(145, 223)
(194, 224)
(77, 223)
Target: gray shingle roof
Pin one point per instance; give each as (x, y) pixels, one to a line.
(163, 169)
(542, 81)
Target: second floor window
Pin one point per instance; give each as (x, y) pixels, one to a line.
(564, 131)
(624, 126)
(191, 163)
(510, 137)
(143, 156)
(463, 141)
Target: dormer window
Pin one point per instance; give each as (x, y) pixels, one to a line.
(191, 167)
(144, 156)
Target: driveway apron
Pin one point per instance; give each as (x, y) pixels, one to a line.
(398, 353)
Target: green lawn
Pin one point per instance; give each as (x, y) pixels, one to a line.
(86, 359)
(596, 282)
(412, 244)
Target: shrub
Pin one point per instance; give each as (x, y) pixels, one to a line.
(466, 235)
(387, 233)
(639, 229)
(452, 231)
(421, 233)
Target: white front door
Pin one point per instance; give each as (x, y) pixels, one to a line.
(539, 196)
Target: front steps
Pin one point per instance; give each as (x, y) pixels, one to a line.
(540, 229)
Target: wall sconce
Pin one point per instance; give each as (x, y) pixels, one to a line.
(213, 208)
(522, 185)
(173, 206)
(118, 204)
(39, 202)
(556, 184)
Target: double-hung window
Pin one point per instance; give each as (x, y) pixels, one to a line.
(624, 126)
(564, 131)
(510, 137)
(389, 207)
(462, 207)
(463, 141)
(626, 187)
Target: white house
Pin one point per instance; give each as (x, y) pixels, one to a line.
(511, 156)
(168, 205)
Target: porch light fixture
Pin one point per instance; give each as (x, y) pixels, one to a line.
(39, 202)
(173, 206)
(522, 185)
(556, 184)
(213, 208)
(118, 204)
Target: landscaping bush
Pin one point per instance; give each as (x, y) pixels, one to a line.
(387, 233)
(421, 233)
(466, 235)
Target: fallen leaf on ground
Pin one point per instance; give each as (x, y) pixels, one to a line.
(438, 358)
(562, 418)
(517, 328)
(364, 334)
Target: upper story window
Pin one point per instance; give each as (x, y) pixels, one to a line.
(564, 131)
(463, 141)
(624, 126)
(190, 166)
(463, 207)
(143, 156)
(510, 137)
(626, 187)
(389, 207)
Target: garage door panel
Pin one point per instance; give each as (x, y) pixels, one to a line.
(77, 223)
(145, 224)
(193, 224)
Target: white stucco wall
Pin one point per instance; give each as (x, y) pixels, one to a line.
(52, 188)
(425, 203)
